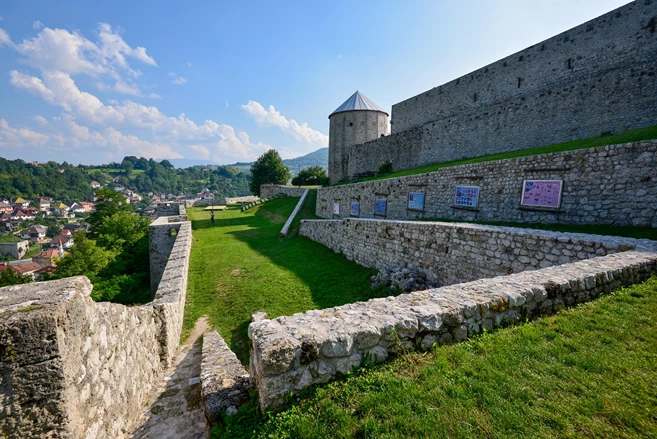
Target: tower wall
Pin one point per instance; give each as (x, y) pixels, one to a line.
(349, 128)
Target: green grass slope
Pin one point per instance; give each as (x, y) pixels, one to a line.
(588, 372)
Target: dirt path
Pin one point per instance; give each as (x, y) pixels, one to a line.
(177, 413)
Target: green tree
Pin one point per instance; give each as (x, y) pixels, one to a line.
(84, 259)
(108, 203)
(9, 277)
(311, 176)
(121, 229)
(268, 169)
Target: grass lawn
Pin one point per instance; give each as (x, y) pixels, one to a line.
(241, 266)
(589, 142)
(595, 229)
(588, 372)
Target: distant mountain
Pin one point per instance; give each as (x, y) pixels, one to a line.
(319, 157)
(188, 163)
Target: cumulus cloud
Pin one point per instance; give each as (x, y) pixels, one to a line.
(271, 117)
(41, 120)
(4, 38)
(37, 25)
(154, 96)
(178, 80)
(19, 137)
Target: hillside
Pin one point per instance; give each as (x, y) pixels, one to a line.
(319, 157)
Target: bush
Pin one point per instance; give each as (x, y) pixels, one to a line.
(385, 167)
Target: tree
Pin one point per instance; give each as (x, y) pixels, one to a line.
(9, 277)
(108, 203)
(268, 169)
(85, 258)
(312, 175)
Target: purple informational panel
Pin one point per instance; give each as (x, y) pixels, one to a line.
(355, 208)
(467, 196)
(542, 193)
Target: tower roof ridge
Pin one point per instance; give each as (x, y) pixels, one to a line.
(358, 101)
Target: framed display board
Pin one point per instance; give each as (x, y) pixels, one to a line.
(416, 200)
(355, 208)
(380, 206)
(336, 208)
(466, 196)
(542, 193)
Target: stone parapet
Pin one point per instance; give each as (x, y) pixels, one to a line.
(268, 190)
(74, 368)
(294, 352)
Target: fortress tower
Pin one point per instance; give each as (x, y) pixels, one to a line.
(358, 120)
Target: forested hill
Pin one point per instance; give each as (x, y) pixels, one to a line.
(316, 158)
(72, 183)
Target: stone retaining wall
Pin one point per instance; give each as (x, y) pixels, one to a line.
(267, 190)
(294, 352)
(613, 185)
(451, 253)
(74, 368)
(14, 249)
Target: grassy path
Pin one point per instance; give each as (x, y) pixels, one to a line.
(241, 266)
(588, 372)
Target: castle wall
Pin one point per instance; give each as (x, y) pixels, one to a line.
(291, 353)
(597, 77)
(74, 368)
(613, 185)
(268, 190)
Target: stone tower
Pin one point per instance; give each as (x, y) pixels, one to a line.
(358, 120)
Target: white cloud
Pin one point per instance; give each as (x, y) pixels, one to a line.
(271, 117)
(189, 64)
(19, 137)
(41, 120)
(154, 96)
(205, 152)
(37, 25)
(178, 80)
(4, 38)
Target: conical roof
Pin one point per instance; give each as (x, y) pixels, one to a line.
(358, 101)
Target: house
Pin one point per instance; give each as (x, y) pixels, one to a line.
(27, 269)
(39, 274)
(23, 215)
(47, 257)
(119, 188)
(94, 184)
(60, 171)
(76, 208)
(88, 207)
(5, 207)
(34, 233)
(20, 202)
(115, 179)
(60, 209)
(62, 241)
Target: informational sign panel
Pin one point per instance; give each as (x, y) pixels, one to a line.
(416, 200)
(541, 193)
(380, 206)
(336, 208)
(467, 196)
(355, 208)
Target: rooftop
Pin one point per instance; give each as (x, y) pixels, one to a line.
(358, 101)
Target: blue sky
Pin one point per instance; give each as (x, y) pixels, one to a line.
(90, 81)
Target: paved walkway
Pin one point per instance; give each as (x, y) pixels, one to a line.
(177, 413)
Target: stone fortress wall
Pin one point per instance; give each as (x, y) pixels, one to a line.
(14, 249)
(614, 185)
(268, 190)
(597, 77)
(74, 368)
(291, 353)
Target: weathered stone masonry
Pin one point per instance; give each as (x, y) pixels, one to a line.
(597, 77)
(294, 352)
(74, 368)
(267, 190)
(614, 185)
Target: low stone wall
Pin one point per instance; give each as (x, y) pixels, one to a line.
(74, 368)
(14, 249)
(613, 185)
(238, 200)
(451, 253)
(267, 190)
(291, 353)
(176, 208)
